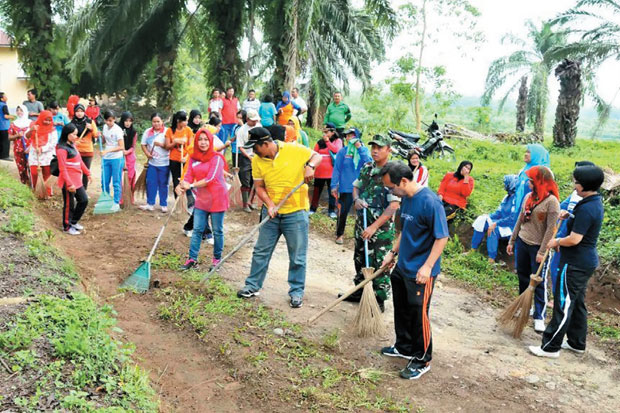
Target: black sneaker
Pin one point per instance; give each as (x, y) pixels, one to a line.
(392, 352)
(247, 292)
(413, 373)
(190, 263)
(296, 302)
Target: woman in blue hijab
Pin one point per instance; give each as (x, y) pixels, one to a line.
(535, 155)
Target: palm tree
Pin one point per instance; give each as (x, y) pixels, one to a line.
(522, 105)
(567, 112)
(537, 59)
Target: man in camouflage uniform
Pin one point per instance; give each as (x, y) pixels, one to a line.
(379, 205)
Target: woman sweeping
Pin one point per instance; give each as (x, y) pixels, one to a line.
(43, 139)
(205, 173)
(130, 138)
(328, 147)
(71, 169)
(86, 138)
(533, 231)
(454, 190)
(420, 172)
(154, 147)
(17, 134)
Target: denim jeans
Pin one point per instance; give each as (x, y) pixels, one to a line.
(227, 131)
(294, 227)
(200, 222)
(113, 170)
(157, 181)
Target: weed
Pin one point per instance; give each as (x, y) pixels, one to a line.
(332, 340)
(167, 260)
(20, 222)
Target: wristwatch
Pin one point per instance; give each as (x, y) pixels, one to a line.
(310, 165)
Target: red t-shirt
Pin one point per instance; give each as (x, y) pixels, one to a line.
(229, 110)
(454, 191)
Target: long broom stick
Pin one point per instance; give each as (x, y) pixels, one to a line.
(234, 193)
(359, 286)
(517, 314)
(183, 196)
(367, 322)
(39, 189)
(250, 234)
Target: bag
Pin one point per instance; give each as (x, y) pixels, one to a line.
(54, 170)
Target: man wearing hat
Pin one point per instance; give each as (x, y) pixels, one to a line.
(371, 198)
(277, 168)
(245, 156)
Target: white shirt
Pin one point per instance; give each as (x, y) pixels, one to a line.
(216, 105)
(251, 104)
(111, 138)
(242, 136)
(161, 156)
(301, 103)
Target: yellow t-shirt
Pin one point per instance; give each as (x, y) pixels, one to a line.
(284, 173)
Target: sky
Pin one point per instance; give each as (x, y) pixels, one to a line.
(498, 17)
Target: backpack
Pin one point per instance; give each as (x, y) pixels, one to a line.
(54, 170)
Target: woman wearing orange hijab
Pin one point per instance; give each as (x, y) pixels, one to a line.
(43, 139)
(532, 233)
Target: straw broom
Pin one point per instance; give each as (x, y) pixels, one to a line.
(516, 316)
(140, 187)
(234, 193)
(127, 192)
(39, 189)
(183, 196)
(368, 321)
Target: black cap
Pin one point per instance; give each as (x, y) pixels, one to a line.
(256, 135)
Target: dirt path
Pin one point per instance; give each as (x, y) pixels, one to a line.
(475, 366)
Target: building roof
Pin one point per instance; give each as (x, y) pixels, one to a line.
(5, 40)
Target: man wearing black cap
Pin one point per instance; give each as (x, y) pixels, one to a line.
(277, 168)
(372, 199)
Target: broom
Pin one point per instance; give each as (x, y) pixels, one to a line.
(140, 187)
(367, 322)
(127, 195)
(234, 193)
(39, 189)
(183, 197)
(516, 316)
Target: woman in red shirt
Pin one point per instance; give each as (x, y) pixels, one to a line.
(71, 167)
(205, 176)
(328, 146)
(455, 188)
(93, 111)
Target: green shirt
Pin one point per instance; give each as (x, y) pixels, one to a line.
(338, 114)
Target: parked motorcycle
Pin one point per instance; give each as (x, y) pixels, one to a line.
(434, 146)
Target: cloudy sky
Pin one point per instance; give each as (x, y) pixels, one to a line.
(498, 18)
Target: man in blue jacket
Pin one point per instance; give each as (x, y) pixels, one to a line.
(347, 167)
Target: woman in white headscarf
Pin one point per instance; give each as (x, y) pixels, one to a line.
(17, 134)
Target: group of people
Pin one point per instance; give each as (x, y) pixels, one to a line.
(400, 224)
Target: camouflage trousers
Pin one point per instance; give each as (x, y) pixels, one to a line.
(378, 246)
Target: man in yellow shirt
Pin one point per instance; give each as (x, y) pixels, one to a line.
(277, 168)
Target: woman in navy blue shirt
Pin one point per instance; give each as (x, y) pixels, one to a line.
(578, 261)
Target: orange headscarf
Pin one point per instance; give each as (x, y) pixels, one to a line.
(543, 186)
(44, 130)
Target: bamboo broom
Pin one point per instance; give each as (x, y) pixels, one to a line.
(127, 199)
(234, 193)
(368, 322)
(39, 189)
(516, 316)
(183, 196)
(140, 187)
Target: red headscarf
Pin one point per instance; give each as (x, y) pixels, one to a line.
(543, 186)
(207, 155)
(44, 130)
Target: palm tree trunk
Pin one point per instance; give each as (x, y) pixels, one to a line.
(164, 79)
(290, 69)
(522, 105)
(567, 112)
(418, 120)
(248, 61)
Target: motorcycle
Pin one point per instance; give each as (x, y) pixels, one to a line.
(434, 146)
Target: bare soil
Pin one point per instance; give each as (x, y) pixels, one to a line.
(475, 366)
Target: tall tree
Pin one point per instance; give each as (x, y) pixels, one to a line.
(567, 112)
(522, 105)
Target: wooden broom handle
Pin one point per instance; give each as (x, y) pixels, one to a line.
(348, 293)
(542, 263)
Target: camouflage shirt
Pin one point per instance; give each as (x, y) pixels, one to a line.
(372, 191)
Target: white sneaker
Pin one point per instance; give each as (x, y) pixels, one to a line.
(539, 326)
(567, 346)
(539, 352)
(72, 231)
(164, 209)
(211, 241)
(147, 207)
(78, 227)
(188, 233)
(115, 208)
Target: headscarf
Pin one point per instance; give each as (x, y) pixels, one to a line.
(190, 120)
(539, 156)
(44, 130)
(297, 128)
(210, 153)
(291, 135)
(128, 133)
(80, 123)
(510, 184)
(71, 102)
(282, 103)
(544, 186)
(352, 150)
(22, 121)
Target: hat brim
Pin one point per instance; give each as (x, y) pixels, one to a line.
(378, 143)
(249, 145)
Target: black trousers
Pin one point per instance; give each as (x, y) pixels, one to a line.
(319, 184)
(176, 168)
(345, 200)
(74, 205)
(5, 144)
(412, 302)
(570, 316)
(87, 161)
(245, 172)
